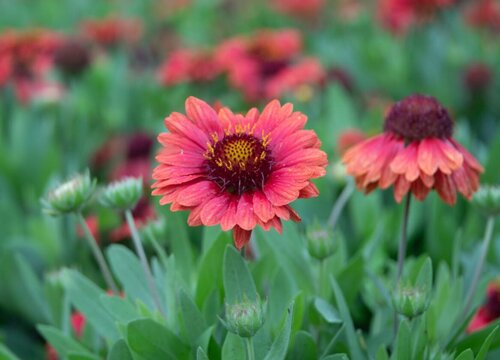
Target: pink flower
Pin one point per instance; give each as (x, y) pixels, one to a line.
(236, 170)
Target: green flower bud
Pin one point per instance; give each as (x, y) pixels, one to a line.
(487, 199)
(244, 318)
(410, 301)
(320, 241)
(123, 194)
(69, 197)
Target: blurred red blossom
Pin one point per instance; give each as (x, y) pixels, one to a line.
(489, 311)
(484, 14)
(268, 64)
(299, 8)
(477, 77)
(189, 65)
(112, 31)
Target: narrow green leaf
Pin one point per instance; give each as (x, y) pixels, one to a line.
(127, 268)
(120, 309)
(120, 351)
(352, 338)
(153, 341)
(304, 347)
(403, 342)
(233, 348)
(336, 357)
(6, 354)
(486, 345)
(280, 345)
(61, 342)
(201, 355)
(84, 295)
(193, 322)
(465, 355)
(81, 356)
(327, 311)
(238, 282)
(382, 353)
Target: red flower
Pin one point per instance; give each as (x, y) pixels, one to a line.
(348, 139)
(398, 15)
(415, 153)
(263, 66)
(237, 170)
(188, 65)
(477, 77)
(112, 31)
(490, 310)
(78, 323)
(484, 13)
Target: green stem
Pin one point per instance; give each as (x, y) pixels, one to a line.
(403, 240)
(482, 257)
(99, 257)
(322, 279)
(144, 262)
(340, 203)
(249, 347)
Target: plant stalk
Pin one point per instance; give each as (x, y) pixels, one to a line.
(340, 204)
(249, 347)
(99, 257)
(403, 241)
(479, 267)
(144, 262)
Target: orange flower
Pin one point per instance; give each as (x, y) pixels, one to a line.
(237, 170)
(415, 153)
(188, 65)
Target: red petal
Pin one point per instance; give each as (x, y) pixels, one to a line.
(241, 237)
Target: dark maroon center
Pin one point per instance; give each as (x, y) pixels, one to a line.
(417, 117)
(239, 163)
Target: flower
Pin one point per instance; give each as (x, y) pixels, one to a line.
(299, 8)
(477, 77)
(267, 64)
(72, 57)
(237, 170)
(483, 14)
(112, 31)
(188, 65)
(415, 153)
(490, 310)
(348, 138)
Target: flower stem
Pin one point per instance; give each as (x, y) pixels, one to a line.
(403, 240)
(99, 257)
(340, 203)
(250, 350)
(323, 289)
(482, 257)
(144, 262)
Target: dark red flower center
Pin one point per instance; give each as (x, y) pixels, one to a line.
(239, 162)
(418, 117)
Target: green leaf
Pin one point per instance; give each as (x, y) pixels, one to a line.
(193, 322)
(478, 338)
(84, 295)
(280, 345)
(201, 355)
(352, 338)
(382, 353)
(403, 342)
(233, 348)
(336, 357)
(6, 354)
(120, 309)
(210, 270)
(127, 268)
(80, 356)
(180, 243)
(327, 311)
(486, 345)
(61, 342)
(153, 341)
(119, 351)
(304, 347)
(465, 355)
(238, 282)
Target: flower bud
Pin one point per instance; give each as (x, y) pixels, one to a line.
(410, 301)
(320, 241)
(487, 199)
(123, 194)
(244, 318)
(69, 197)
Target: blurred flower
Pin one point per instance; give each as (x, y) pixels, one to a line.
(122, 194)
(490, 311)
(398, 15)
(112, 31)
(477, 77)
(299, 8)
(415, 153)
(38, 91)
(70, 196)
(237, 170)
(78, 323)
(189, 65)
(142, 213)
(245, 318)
(484, 14)
(487, 199)
(267, 64)
(348, 139)
(72, 57)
